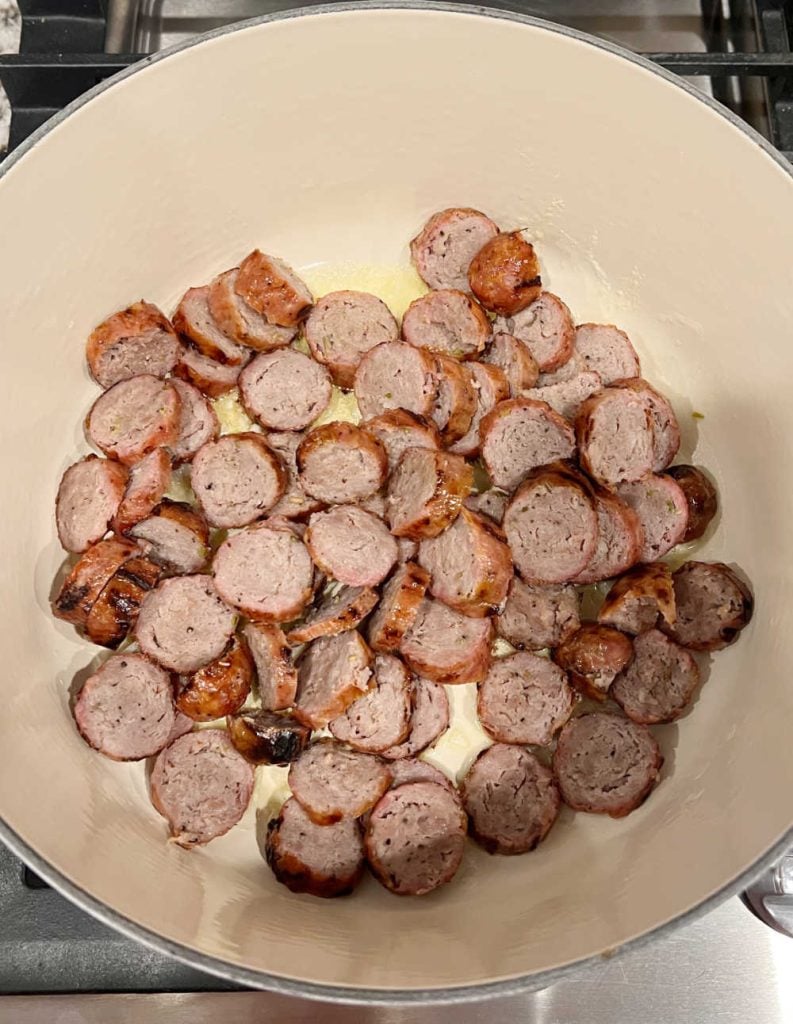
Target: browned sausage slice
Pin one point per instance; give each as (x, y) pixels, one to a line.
(295, 503)
(701, 498)
(505, 274)
(237, 479)
(133, 341)
(519, 435)
(242, 322)
(380, 719)
(666, 430)
(351, 545)
(545, 328)
(615, 436)
(346, 609)
(333, 783)
(275, 672)
(398, 430)
(426, 492)
(456, 401)
(395, 376)
(447, 647)
(638, 598)
(201, 786)
(713, 606)
(339, 463)
(88, 578)
(210, 377)
(89, 494)
(660, 681)
(125, 709)
(411, 769)
(219, 688)
(606, 764)
(333, 672)
(272, 288)
(447, 321)
(491, 387)
(148, 481)
(592, 657)
(492, 503)
(524, 699)
(511, 798)
(428, 720)
(620, 539)
(443, 249)
(116, 610)
(567, 396)
(398, 608)
(608, 351)
(197, 422)
(285, 389)
(662, 511)
(194, 321)
(514, 358)
(536, 617)
(133, 417)
(176, 535)
(267, 737)
(343, 326)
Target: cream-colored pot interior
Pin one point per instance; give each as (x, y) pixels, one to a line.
(329, 138)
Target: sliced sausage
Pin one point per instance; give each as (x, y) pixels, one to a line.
(415, 838)
(343, 326)
(469, 564)
(566, 397)
(184, 623)
(148, 481)
(545, 328)
(592, 657)
(519, 435)
(713, 606)
(395, 376)
(511, 798)
(197, 422)
(89, 494)
(563, 374)
(333, 672)
(536, 617)
(492, 503)
(399, 606)
(662, 510)
(615, 436)
(408, 549)
(134, 417)
(524, 699)
(447, 647)
(194, 321)
(443, 249)
(514, 358)
(88, 578)
(242, 322)
(375, 504)
(505, 274)
(125, 709)
(351, 545)
(285, 389)
(666, 430)
(447, 321)
(116, 610)
(551, 526)
(659, 683)
(201, 786)
(295, 503)
(266, 571)
(176, 535)
(606, 764)
(701, 498)
(398, 430)
(345, 610)
(456, 401)
(333, 783)
(428, 720)
(411, 769)
(608, 351)
(491, 387)
(265, 737)
(270, 286)
(219, 688)
(620, 539)
(211, 378)
(638, 598)
(380, 719)
(339, 462)
(237, 479)
(321, 860)
(133, 341)
(275, 672)
(426, 492)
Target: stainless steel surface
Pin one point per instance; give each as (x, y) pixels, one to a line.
(122, 21)
(771, 896)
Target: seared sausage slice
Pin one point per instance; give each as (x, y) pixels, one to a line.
(134, 417)
(666, 430)
(551, 526)
(606, 764)
(275, 672)
(345, 610)
(524, 699)
(219, 688)
(295, 503)
(272, 288)
(411, 769)
(659, 683)
(398, 430)
(608, 351)
(265, 570)
(148, 481)
(492, 503)
(210, 377)
(88, 578)
(201, 786)
(339, 462)
(592, 657)
(536, 617)
(116, 610)
(447, 647)
(662, 510)
(183, 623)
(701, 498)
(638, 598)
(426, 492)
(491, 387)
(321, 860)
(505, 274)
(448, 322)
(351, 545)
(469, 564)
(343, 326)
(620, 539)
(334, 783)
(197, 422)
(566, 397)
(285, 389)
(194, 321)
(242, 322)
(415, 838)
(89, 494)
(514, 358)
(713, 606)
(398, 608)
(519, 435)
(176, 535)
(443, 249)
(545, 328)
(237, 479)
(333, 672)
(133, 341)
(565, 373)
(380, 719)
(395, 376)
(428, 720)
(456, 400)
(511, 798)
(615, 436)
(125, 709)
(265, 737)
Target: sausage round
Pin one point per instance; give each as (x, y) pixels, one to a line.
(295, 503)
(148, 481)
(662, 511)
(429, 718)
(513, 357)
(567, 396)
(219, 688)
(701, 498)
(194, 321)
(456, 400)
(211, 378)
(276, 674)
(492, 503)
(343, 326)
(666, 430)
(620, 539)
(133, 341)
(505, 274)
(176, 535)
(333, 672)
(264, 737)
(659, 683)
(115, 612)
(333, 783)
(511, 798)
(339, 463)
(270, 286)
(398, 608)
(447, 321)
(608, 351)
(395, 376)
(615, 436)
(536, 617)
(447, 647)
(592, 657)
(345, 610)
(398, 430)
(519, 435)
(491, 387)
(443, 249)
(637, 599)
(351, 545)
(546, 328)
(713, 606)
(284, 389)
(242, 322)
(524, 699)
(89, 495)
(426, 492)
(411, 769)
(381, 718)
(88, 578)
(606, 764)
(197, 422)
(237, 479)
(133, 417)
